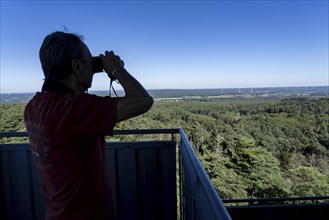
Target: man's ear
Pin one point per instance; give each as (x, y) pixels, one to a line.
(76, 65)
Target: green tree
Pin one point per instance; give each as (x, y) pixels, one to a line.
(308, 181)
(226, 181)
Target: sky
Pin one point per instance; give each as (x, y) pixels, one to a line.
(175, 44)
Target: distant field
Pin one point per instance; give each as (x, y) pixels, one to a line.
(185, 94)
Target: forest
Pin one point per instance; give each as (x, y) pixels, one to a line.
(250, 148)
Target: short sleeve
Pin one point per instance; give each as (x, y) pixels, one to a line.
(93, 115)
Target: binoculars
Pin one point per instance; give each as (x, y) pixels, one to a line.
(97, 65)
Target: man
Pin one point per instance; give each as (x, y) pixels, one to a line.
(67, 126)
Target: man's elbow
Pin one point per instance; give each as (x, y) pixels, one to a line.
(133, 106)
(147, 103)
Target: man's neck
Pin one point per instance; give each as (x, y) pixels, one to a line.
(51, 85)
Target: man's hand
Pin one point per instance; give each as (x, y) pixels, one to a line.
(111, 63)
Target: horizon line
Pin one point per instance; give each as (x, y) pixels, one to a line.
(251, 87)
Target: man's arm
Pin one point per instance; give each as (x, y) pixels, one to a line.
(136, 100)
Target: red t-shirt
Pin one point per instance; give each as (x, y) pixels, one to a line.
(67, 139)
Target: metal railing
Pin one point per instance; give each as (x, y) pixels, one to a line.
(200, 199)
(195, 197)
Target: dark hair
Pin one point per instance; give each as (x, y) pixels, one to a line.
(57, 52)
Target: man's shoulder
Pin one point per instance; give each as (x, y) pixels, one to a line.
(59, 100)
(53, 96)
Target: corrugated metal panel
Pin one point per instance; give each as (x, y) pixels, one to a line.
(145, 181)
(143, 177)
(19, 175)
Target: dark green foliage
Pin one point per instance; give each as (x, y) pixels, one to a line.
(249, 148)
(11, 120)
(11, 117)
(308, 181)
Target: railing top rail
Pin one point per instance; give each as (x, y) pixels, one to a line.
(115, 132)
(13, 134)
(276, 199)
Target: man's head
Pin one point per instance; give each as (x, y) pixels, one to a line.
(65, 57)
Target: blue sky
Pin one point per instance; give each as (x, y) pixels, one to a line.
(176, 44)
